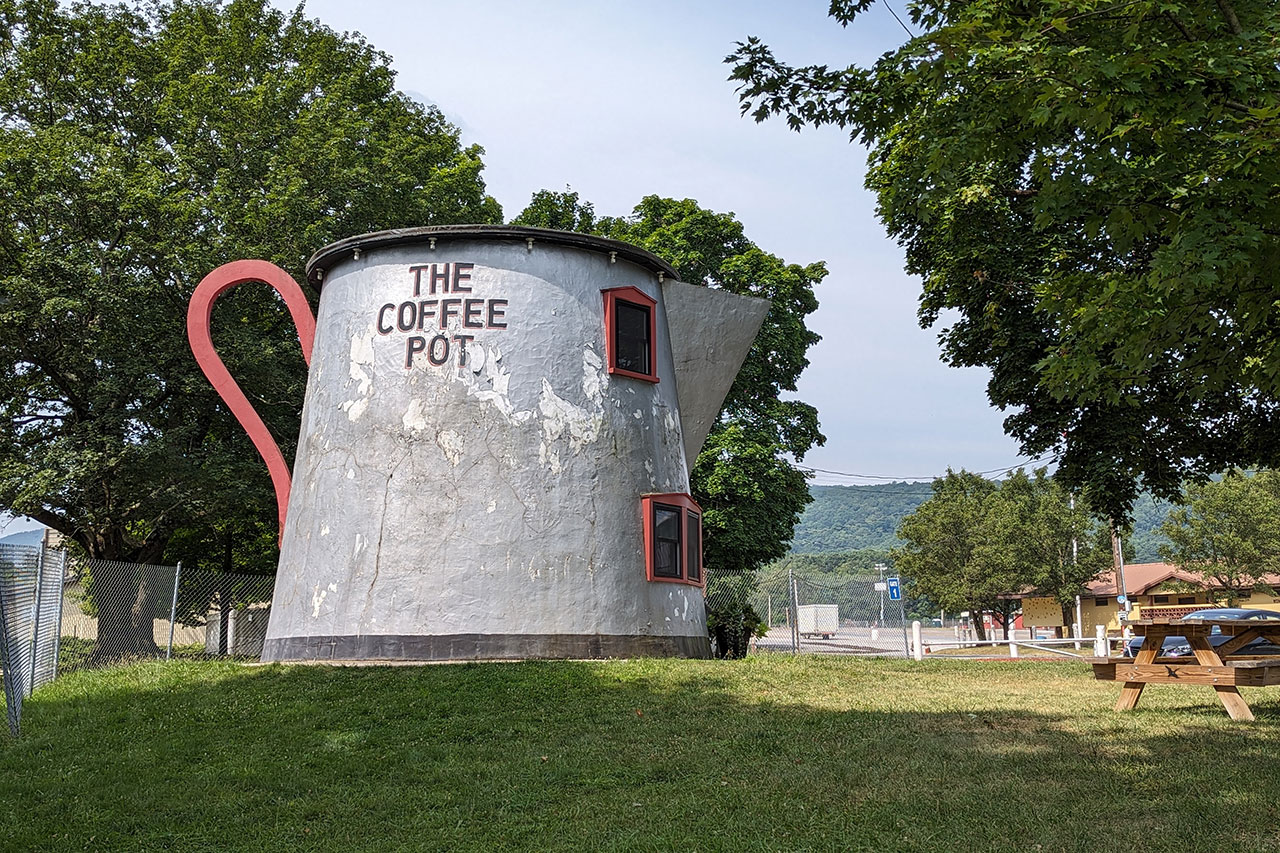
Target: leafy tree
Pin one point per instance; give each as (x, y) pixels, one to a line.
(952, 555)
(140, 147)
(1087, 190)
(975, 542)
(750, 493)
(1229, 531)
(1054, 542)
(562, 211)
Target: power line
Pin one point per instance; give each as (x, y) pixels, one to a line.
(899, 478)
(899, 20)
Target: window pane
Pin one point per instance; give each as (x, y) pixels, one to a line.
(693, 554)
(666, 540)
(632, 337)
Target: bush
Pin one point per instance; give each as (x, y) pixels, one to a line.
(731, 619)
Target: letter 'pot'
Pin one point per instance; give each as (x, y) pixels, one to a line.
(495, 447)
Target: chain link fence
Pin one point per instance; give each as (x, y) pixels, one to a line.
(59, 614)
(30, 592)
(774, 610)
(116, 612)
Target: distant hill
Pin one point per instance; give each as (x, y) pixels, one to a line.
(26, 537)
(1148, 515)
(851, 518)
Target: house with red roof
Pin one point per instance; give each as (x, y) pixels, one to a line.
(1159, 590)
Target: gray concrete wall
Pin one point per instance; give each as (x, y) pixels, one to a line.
(486, 506)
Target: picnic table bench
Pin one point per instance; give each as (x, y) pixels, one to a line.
(1225, 668)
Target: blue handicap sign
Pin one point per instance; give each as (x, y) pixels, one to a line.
(895, 589)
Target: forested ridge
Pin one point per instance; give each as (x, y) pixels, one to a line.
(848, 518)
(853, 518)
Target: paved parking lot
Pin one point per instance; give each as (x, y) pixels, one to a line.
(846, 641)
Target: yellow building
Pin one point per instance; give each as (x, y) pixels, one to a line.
(1158, 589)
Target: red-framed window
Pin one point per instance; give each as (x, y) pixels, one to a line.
(630, 333)
(673, 539)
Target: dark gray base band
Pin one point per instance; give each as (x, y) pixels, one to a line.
(446, 647)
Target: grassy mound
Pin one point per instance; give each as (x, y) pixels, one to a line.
(771, 753)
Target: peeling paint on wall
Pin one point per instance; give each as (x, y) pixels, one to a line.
(318, 597)
(362, 354)
(451, 445)
(595, 379)
(415, 417)
(560, 417)
(355, 408)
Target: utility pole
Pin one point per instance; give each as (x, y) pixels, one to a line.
(1117, 548)
(1075, 558)
(1074, 547)
(793, 613)
(880, 586)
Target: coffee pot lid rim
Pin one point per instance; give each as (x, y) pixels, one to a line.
(329, 256)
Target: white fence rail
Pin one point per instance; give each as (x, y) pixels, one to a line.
(1073, 647)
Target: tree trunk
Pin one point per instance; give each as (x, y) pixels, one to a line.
(1068, 619)
(1006, 616)
(129, 593)
(975, 619)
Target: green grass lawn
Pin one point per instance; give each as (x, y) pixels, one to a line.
(771, 753)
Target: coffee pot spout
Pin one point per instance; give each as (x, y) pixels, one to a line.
(711, 334)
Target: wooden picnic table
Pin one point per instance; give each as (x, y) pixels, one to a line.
(1225, 668)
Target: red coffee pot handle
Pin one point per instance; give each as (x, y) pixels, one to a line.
(199, 317)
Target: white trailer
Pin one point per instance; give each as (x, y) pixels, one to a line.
(818, 619)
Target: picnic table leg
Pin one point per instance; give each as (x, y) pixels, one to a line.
(1228, 694)
(1129, 696)
(1132, 691)
(1237, 708)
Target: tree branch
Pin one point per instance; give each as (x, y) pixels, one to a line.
(1105, 11)
(58, 523)
(1186, 33)
(1230, 14)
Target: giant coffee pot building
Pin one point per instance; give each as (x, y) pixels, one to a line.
(495, 449)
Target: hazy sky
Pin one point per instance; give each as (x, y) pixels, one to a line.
(619, 101)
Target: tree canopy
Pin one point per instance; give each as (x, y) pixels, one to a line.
(1088, 190)
(975, 543)
(1228, 532)
(141, 147)
(750, 493)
